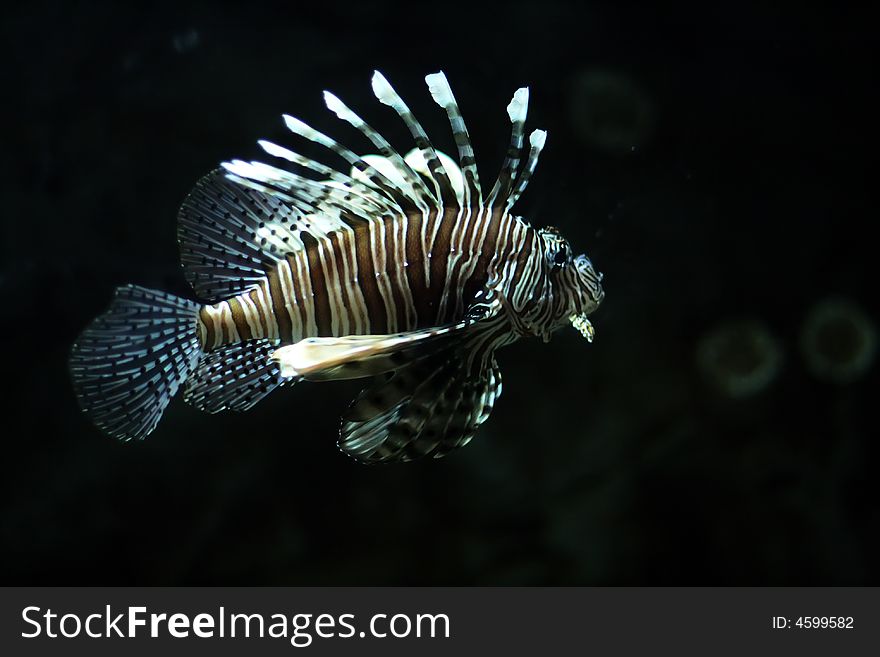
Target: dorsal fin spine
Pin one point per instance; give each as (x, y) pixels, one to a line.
(517, 110)
(442, 94)
(387, 186)
(415, 184)
(536, 142)
(388, 96)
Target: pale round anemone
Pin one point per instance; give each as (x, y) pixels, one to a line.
(838, 341)
(416, 162)
(740, 358)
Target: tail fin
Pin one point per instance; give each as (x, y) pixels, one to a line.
(129, 362)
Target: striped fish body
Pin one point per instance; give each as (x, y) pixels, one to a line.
(400, 271)
(398, 274)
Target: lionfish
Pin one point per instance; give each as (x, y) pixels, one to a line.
(403, 271)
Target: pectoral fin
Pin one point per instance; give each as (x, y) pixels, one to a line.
(358, 356)
(426, 409)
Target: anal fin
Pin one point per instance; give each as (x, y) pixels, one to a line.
(235, 377)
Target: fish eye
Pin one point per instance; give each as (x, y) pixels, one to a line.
(559, 254)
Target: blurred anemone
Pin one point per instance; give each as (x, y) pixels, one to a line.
(740, 358)
(186, 41)
(838, 341)
(609, 111)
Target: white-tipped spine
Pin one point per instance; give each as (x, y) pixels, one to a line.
(298, 127)
(243, 169)
(339, 109)
(537, 139)
(277, 151)
(442, 94)
(519, 106)
(383, 90)
(440, 90)
(387, 96)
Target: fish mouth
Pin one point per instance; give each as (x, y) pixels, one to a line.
(583, 325)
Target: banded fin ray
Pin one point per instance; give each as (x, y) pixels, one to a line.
(442, 94)
(356, 192)
(235, 377)
(437, 173)
(537, 139)
(130, 361)
(426, 409)
(328, 198)
(416, 186)
(399, 186)
(370, 192)
(517, 110)
(229, 234)
(383, 183)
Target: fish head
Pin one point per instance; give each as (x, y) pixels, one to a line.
(575, 287)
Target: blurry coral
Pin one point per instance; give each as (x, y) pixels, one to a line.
(739, 358)
(838, 341)
(610, 111)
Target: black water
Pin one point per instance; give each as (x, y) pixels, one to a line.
(712, 160)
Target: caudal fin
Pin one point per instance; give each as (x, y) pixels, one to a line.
(130, 361)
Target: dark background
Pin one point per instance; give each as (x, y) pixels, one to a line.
(712, 160)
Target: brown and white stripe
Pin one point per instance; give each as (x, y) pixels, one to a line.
(401, 243)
